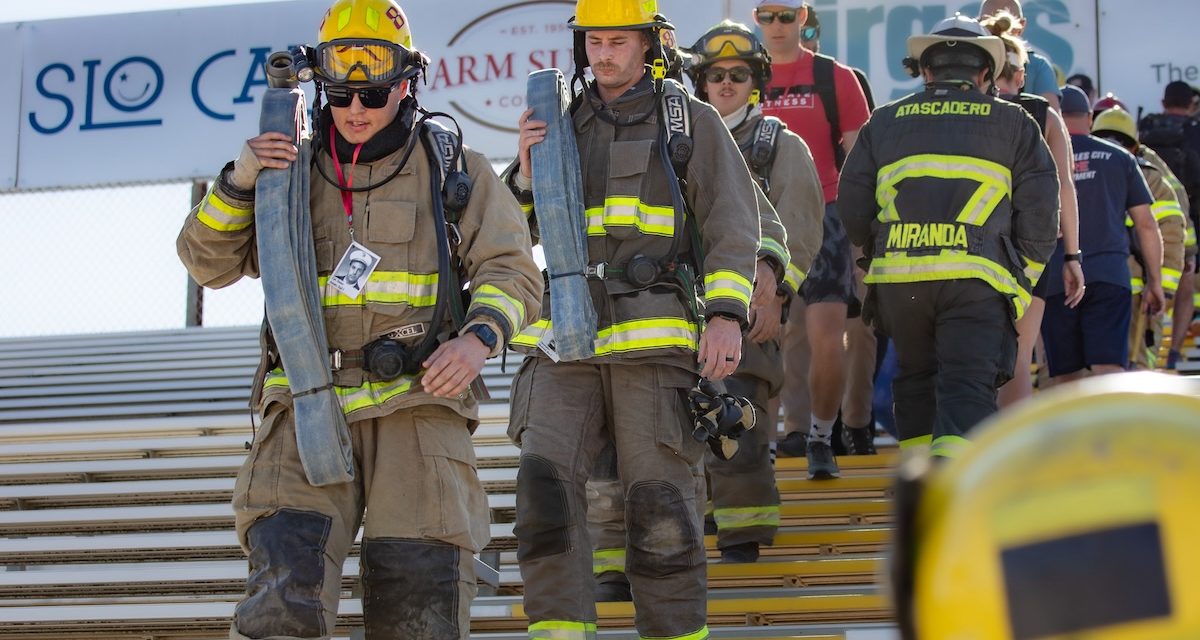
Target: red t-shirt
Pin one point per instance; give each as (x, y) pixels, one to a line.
(801, 109)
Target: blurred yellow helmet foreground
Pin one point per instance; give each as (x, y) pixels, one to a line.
(1076, 515)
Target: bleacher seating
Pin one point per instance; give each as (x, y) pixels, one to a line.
(117, 460)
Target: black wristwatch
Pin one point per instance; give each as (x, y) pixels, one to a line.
(485, 335)
(1073, 257)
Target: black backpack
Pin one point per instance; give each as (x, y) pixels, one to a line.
(1167, 135)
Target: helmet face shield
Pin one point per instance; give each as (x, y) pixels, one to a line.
(361, 60)
(728, 45)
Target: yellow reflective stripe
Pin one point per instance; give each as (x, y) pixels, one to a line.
(604, 560)
(949, 446)
(794, 277)
(352, 399)
(919, 441)
(219, 215)
(1170, 279)
(491, 296)
(995, 183)
(622, 337)
(530, 335)
(628, 211)
(647, 333)
(727, 284)
(1136, 285)
(387, 287)
(526, 208)
(372, 394)
(775, 250)
(700, 634)
(1033, 270)
(745, 517)
(954, 266)
(1163, 209)
(562, 630)
(1191, 237)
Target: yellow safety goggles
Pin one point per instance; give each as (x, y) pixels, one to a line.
(728, 45)
(362, 60)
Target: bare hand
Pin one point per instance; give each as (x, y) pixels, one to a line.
(765, 307)
(532, 132)
(454, 365)
(1073, 283)
(720, 348)
(1153, 299)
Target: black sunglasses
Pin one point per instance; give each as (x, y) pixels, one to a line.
(810, 33)
(738, 75)
(787, 16)
(371, 97)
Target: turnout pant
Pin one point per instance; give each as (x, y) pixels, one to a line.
(955, 345)
(563, 415)
(415, 475)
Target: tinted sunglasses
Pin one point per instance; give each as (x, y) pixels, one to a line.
(786, 16)
(810, 33)
(738, 75)
(370, 97)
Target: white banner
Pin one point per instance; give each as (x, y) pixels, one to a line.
(10, 104)
(1148, 44)
(169, 95)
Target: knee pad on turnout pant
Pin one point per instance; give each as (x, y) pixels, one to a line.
(662, 537)
(410, 588)
(287, 573)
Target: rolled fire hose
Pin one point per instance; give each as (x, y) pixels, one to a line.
(288, 265)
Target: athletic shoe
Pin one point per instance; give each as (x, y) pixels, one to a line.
(794, 445)
(821, 463)
(860, 442)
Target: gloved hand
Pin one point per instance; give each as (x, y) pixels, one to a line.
(271, 150)
(720, 418)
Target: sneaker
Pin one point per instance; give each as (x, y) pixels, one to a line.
(614, 591)
(860, 441)
(794, 445)
(743, 553)
(821, 463)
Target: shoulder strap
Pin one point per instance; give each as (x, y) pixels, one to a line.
(1037, 107)
(823, 81)
(450, 164)
(763, 147)
(678, 117)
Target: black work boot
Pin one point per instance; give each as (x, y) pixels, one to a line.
(793, 445)
(740, 553)
(860, 441)
(821, 463)
(614, 589)
(710, 525)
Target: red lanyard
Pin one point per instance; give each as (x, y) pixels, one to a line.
(347, 196)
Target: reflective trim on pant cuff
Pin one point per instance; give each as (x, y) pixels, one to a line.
(604, 560)
(562, 630)
(919, 441)
(949, 446)
(701, 634)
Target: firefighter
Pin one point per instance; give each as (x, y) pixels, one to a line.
(957, 229)
(1117, 125)
(1071, 517)
(633, 391)
(414, 463)
(731, 72)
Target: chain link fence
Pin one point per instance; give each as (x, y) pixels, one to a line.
(103, 260)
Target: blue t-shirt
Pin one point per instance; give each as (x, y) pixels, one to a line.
(1040, 78)
(1107, 183)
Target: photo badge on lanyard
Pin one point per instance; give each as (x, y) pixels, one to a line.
(353, 270)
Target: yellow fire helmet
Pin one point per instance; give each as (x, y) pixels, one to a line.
(594, 15)
(1072, 516)
(1117, 120)
(366, 42)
